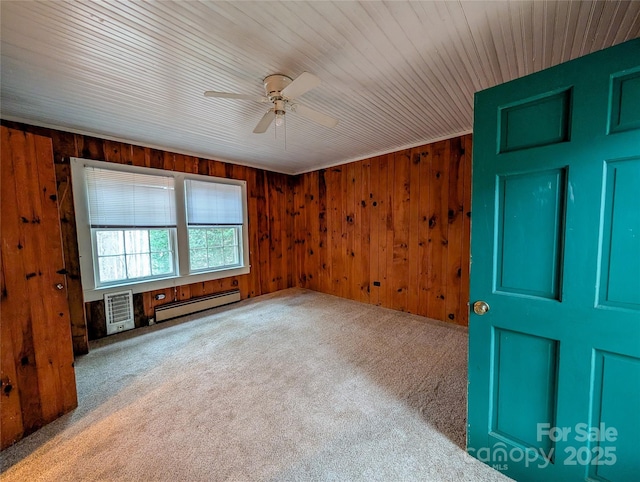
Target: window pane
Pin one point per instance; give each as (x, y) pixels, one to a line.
(231, 255)
(112, 268)
(198, 259)
(214, 237)
(138, 265)
(161, 263)
(109, 242)
(220, 248)
(197, 238)
(136, 241)
(216, 258)
(159, 240)
(229, 236)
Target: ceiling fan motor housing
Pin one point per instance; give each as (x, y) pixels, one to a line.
(274, 85)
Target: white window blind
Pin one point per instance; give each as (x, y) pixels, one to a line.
(210, 203)
(127, 199)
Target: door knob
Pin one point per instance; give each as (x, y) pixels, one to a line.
(59, 286)
(480, 307)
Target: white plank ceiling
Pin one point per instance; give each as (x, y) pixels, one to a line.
(396, 74)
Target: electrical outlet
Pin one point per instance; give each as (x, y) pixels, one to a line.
(152, 321)
(376, 283)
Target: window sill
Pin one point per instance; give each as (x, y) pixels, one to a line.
(96, 294)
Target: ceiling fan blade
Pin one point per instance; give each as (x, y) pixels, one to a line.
(265, 122)
(303, 83)
(230, 95)
(314, 115)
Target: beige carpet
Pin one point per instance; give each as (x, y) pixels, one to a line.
(292, 386)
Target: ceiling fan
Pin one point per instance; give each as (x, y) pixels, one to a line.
(281, 91)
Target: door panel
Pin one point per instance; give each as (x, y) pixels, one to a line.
(556, 255)
(620, 238)
(538, 199)
(625, 98)
(613, 399)
(514, 393)
(37, 374)
(552, 108)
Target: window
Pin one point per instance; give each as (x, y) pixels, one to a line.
(133, 225)
(150, 229)
(214, 219)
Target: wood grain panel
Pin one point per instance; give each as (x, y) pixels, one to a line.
(438, 229)
(401, 220)
(38, 379)
(72, 263)
(423, 259)
(466, 232)
(413, 253)
(324, 274)
(385, 218)
(335, 195)
(453, 306)
(374, 230)
(401, 231)
(311, 229)
(363, 231)
(349, 221)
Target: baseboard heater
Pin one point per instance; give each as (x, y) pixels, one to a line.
(186, 307)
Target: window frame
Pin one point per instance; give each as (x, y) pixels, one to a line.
(86, 248)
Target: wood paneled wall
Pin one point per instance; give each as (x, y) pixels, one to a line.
(401, 220)
(37, 375)
(270, 204)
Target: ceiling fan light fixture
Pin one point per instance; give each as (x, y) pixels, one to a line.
(279, 111)
(279, 118)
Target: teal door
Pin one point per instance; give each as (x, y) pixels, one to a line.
(554, 363)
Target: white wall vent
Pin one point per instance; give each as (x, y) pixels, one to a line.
(118, 309)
